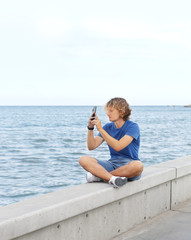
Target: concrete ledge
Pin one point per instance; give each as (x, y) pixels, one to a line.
(96, 210)
(182, 165)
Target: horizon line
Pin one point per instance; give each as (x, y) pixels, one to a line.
(84, 105)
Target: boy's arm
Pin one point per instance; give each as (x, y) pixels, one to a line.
(117, 145)
(93, 142)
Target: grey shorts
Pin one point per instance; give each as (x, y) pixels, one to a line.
(115, 163)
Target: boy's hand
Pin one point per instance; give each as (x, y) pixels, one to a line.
(90, 121)
(97, 123)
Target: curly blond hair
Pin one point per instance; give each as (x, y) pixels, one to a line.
(121, 105)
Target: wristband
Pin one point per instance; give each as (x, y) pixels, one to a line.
(90, 128)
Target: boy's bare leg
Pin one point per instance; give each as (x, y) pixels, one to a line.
(133, 169)
(91, 165)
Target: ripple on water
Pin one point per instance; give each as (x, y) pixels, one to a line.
(54, 184)
(17, 192)
(41, 140)
(67, 140)
(31, 160)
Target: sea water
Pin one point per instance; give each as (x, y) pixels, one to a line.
(40, 146)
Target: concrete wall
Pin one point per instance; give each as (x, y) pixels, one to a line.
(97, 210)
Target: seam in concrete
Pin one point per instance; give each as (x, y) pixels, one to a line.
(171, 195)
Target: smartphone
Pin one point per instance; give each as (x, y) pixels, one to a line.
(93, 111)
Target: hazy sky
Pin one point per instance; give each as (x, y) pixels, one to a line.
(86, 52)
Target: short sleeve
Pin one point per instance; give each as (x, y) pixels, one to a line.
(133, 131)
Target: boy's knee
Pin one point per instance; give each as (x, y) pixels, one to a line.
(83, 160)
(139, 166)
(86, 161)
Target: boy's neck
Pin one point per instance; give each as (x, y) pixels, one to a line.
(119, 123)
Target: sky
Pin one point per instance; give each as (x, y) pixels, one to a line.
(86, 52)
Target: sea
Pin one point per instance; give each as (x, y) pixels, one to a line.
(40, 145)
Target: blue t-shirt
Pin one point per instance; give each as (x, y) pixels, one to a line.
(129, 128)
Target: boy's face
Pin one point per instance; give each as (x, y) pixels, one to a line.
(113, 114)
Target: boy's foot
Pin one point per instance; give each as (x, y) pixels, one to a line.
(91, 178)
(117, 181)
